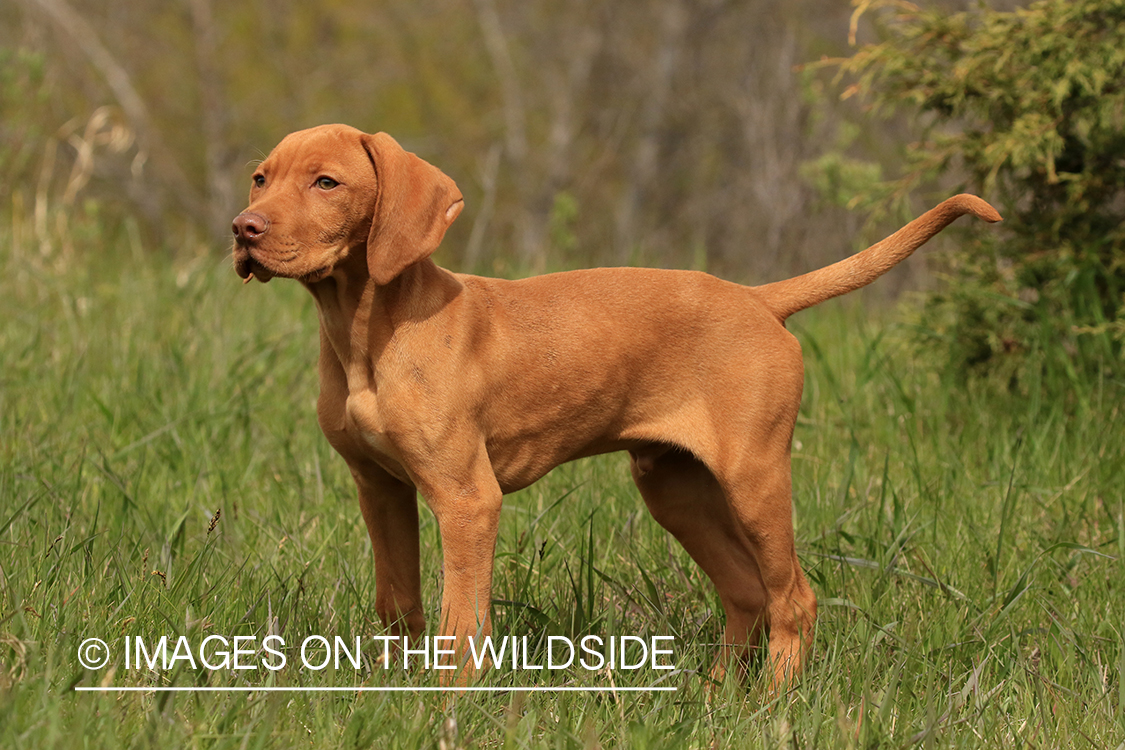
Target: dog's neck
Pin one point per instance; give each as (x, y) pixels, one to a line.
(360, 318)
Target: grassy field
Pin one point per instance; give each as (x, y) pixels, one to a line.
(966, 547)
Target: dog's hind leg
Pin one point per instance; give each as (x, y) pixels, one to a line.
(759, 492)
(685, 498)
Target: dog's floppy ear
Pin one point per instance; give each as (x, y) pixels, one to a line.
(415, 204)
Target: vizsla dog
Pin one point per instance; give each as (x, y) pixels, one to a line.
(464, 388)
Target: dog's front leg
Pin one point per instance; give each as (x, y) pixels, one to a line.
(468, 516)
(390, 510)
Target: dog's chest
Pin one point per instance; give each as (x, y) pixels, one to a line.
(363, 424)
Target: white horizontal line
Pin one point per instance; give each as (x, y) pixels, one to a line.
(368, 689)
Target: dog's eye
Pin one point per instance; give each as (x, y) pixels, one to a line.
(259, 180)
(326, 183)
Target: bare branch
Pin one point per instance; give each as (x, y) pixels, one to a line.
(131, 102)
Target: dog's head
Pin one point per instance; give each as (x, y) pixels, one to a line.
(324, 193)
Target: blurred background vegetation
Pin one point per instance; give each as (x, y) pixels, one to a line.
(748, 138)
(658, 131)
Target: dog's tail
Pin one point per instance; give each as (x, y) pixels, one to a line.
(784, 298)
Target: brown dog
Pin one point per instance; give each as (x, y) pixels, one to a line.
(464, 388)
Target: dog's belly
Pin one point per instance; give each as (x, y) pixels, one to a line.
(517, 461)
(519, 466)
(554, 434)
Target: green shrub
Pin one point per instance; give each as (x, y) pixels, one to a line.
(1026, 108)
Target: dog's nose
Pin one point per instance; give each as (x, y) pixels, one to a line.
(248, 227)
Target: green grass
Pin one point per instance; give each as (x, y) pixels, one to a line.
(966, 547)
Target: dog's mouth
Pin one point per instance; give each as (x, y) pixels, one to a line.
(248, 268)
